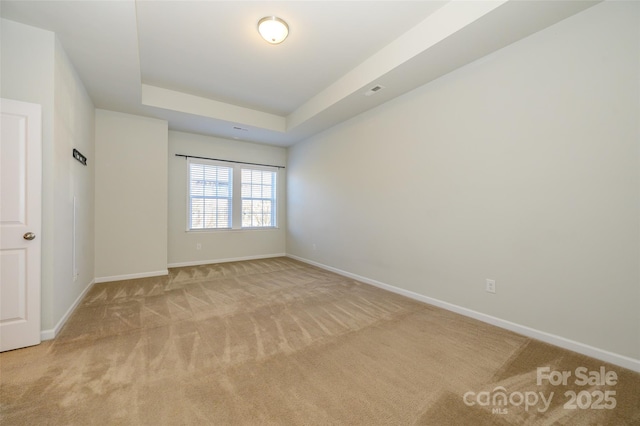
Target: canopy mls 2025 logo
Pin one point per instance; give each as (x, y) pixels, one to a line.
(499, 399)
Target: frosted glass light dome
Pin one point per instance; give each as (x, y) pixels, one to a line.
(273, 29)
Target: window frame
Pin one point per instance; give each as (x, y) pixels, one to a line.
(273, 199)
(189, 223)
(236, 195)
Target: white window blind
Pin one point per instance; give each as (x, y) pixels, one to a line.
(258, 198)
(210, 195)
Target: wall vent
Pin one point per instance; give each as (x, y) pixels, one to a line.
(373, 90)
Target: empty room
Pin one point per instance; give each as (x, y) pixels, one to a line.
(320, 212)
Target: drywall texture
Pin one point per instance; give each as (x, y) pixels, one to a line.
(131, 195)
(219, 245)
(522, 167)
(35, 69)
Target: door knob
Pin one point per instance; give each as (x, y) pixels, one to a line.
(29, 236)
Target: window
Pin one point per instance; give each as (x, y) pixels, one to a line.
(222, 196)
(210, 196)
(258, 198)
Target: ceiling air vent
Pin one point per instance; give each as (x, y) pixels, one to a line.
(373, 90)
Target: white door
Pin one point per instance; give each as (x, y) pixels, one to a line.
(20, 223)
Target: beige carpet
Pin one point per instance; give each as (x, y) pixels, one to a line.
(279, 342)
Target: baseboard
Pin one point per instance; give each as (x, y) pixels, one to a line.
(132, 276)
(233, 259)
(53, 332)
(581, 348)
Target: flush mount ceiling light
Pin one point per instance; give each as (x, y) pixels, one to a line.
(273, 29)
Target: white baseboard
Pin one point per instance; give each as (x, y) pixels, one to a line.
(132, 276)
(233, 259)
(584, 349)
(53, 332)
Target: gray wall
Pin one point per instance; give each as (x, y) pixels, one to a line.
(522, 167)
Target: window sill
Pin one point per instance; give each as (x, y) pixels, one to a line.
(270, 228)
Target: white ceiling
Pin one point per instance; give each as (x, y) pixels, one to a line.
(202, 66)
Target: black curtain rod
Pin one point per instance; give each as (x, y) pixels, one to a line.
(228, 161)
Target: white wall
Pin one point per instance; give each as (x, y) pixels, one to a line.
(35, 69)
(131, 196)
(522, 167)
(73, 128)
(223, 244)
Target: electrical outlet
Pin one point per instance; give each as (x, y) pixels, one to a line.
(198, 246)
(490, 286)
(313, 246)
